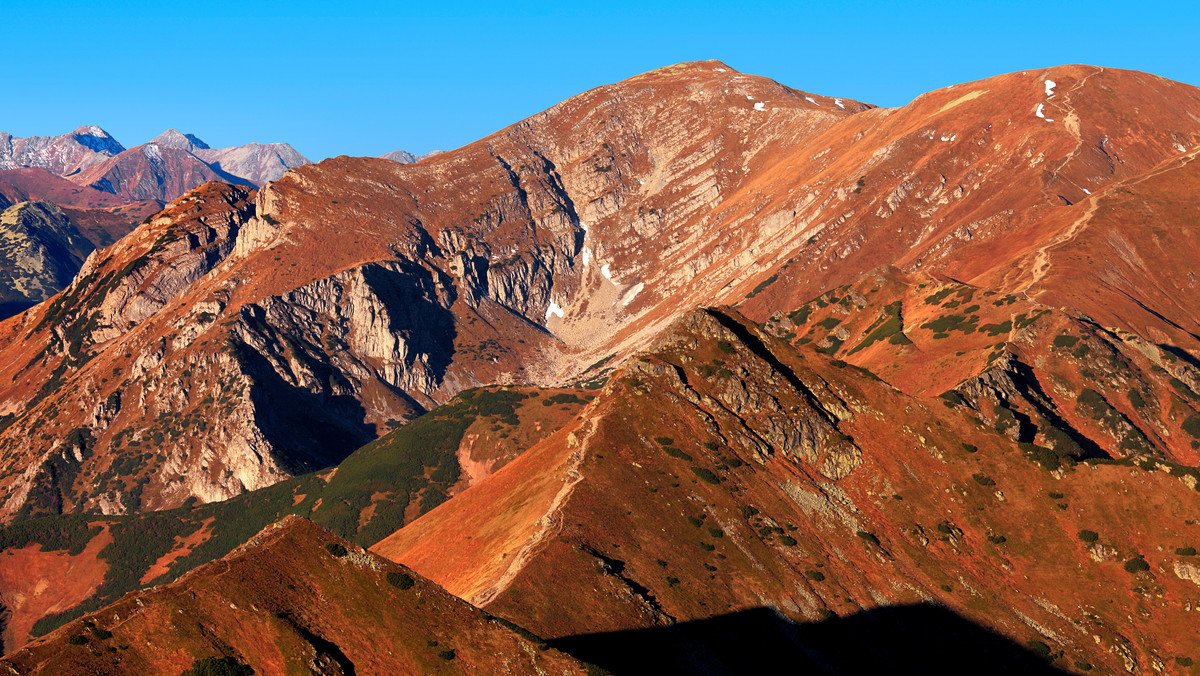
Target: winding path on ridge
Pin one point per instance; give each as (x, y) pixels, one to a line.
(546, 524)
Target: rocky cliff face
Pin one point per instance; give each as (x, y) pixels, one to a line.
(299, 379)
(107, 307)
(767, 408)
(85, 217)
(354, 293)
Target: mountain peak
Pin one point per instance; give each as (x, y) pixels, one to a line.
(401, 156)
(405, 157)
(95, 138)
(707, 66)
(176, 138)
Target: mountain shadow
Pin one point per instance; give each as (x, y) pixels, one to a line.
(914, 639)
(307, 430)
(15, 307)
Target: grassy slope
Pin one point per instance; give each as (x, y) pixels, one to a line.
(295, 599)
(371, 494)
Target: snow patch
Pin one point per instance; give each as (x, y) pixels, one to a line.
(838, 103)
(950, 138)
(604, 270)
(811, 100)
(632, 293)
(749, 97)
(759, 106)
(1050, 85)
(555, 310)
(587, 256)
(1087, 191)
(722, 70)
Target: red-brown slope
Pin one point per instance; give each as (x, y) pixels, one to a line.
(295, 598)
(103, 227)
(151, 172)
(36, 581)
(368, 495)
(493, 522)
(970, 183)
(422, 293)
(376, 289)
(725, 472)
(1122, 257)
(101, 217)
(19, 185)
(1118, 394)
(676, 211)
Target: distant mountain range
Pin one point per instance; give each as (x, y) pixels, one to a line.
(62, 155)
(168, 166)
(85, 187)
(162, 169)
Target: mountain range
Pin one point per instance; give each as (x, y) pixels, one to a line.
(107, 189)
(167, 166)
(692, 373)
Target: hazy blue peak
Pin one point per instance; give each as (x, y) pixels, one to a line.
(95, 138)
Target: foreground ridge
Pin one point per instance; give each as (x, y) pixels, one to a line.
(293, 597)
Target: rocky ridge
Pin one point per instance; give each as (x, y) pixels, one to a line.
(575, 236)
(292, 598)
(679, 495)
(63, 155)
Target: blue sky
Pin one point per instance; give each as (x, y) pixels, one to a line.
(364, 78)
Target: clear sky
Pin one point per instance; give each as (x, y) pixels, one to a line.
(364, 78)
